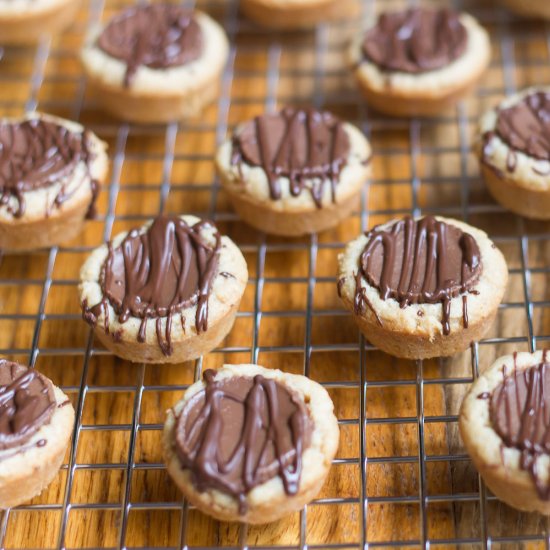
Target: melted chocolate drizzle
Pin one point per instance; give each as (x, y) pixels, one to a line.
(418, 262)
(306, 146)
(520, 414)
(524, 127)
(240, 432)
(27, 402)
(157, 273)
(35, 154)
(159, 36)
(415, 41)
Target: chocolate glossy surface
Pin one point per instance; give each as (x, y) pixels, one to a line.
(240, 432)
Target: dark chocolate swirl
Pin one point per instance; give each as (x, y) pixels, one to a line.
(308, 147)
(156, 273)
(158, 36)
(415, 41)
(520, 415)
(37, 153)
(525, 126)
(240, 432)
(424, 261)
(27, 402)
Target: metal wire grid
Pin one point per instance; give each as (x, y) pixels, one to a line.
(370, 123)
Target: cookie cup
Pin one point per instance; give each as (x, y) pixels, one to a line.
(296, 14)
(525, 189)
(499, 465)
(188, 344)
(41, 226)
(267, 502)
(158, 95)
(403, 94)
(248, 190)
(25, 22)
(416, 331)
(26, 473)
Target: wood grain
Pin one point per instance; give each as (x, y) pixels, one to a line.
(402, 506)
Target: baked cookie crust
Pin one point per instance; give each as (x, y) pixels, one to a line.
(524, 187)
(269, 501)
(27, 21)
(397, 93)
(24, 474)
(297, 14)
(498, 464)
(121, 338)
(248, 190)
(158, 95)
(416, 331)
(42, 225)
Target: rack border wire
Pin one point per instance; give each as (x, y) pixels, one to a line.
(122, 133)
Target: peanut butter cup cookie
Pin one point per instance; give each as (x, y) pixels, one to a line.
(419, 61)
(165, 293)
(251, 444)
(422, 288)
(156, 63)
(296, 14)
(50, 173)
(294, 172)
(36, 421)
(27, 21)
(504, 422)
(514, 153)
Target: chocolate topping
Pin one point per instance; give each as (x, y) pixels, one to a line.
(27, 402)
(158, 36)
(306, 146)
(158, 272)
(525, 127)
(424, 261)
(520, 414)
(415, 41)
(37, 153)
(240, 432)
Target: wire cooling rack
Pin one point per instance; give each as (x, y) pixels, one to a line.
(401, 477)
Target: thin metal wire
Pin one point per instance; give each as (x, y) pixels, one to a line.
(324, 46)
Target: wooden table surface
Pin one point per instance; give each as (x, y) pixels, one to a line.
(401, 476)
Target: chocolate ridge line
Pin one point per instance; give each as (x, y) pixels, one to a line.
(312, 149)
(145, 261)
(27, 163)
(198, 446)
(519, 410)
(522, 127)
(405, 279)
(159, 36)
(27, 402)
(416, 40)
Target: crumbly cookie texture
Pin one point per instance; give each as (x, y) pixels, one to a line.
(41, 225)
(122, 338)
(266, 502)
(525, 189)
(402, 94)
(158, 95)
(297, 14)
(25, 474)
(532, 8)
(415, 331)
(27, 21)
(248, 190)
(498, 464)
